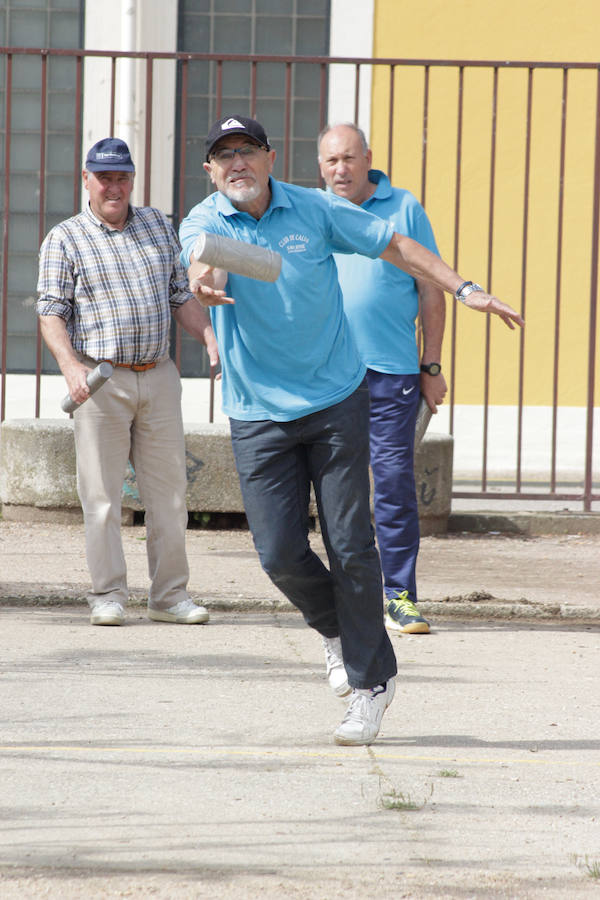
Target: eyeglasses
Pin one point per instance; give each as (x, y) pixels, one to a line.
(227, 154)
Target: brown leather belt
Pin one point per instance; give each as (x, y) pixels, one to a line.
(136, 367)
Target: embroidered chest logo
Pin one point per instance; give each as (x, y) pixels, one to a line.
(294, 243)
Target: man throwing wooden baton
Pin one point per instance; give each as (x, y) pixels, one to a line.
(294, 388)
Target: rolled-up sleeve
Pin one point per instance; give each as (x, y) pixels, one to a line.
(56, 278)
(179, 292)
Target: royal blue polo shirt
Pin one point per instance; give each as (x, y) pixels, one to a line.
(286, 347)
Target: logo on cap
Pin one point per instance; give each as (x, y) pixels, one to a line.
(231, 123)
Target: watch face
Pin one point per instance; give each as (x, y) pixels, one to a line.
(432, 368)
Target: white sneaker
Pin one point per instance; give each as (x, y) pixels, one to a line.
(107, 612)
(365, 711)
(336, 673)
(186, 612)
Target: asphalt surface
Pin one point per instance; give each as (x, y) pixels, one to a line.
(167, 761)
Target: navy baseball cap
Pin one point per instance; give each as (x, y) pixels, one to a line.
(236, 125)
(109, 154)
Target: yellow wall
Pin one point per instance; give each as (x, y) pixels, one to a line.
(515, 30)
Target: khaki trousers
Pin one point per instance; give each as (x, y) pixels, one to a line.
(135, 416)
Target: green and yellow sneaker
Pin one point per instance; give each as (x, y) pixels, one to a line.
(402, 615)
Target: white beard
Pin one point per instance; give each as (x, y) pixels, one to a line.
(243, 194)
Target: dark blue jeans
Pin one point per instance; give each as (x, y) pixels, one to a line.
(394, 405)
(276, 462)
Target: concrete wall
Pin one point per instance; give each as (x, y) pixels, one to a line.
(38, 481)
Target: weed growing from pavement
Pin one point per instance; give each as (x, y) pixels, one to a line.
(592, 867)
(397, 800)
(394, 799)
(449, 773)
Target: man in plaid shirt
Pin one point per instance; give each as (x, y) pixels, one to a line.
(109, 280)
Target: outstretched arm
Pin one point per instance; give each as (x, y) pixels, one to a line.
(423, 265)
(207, 283)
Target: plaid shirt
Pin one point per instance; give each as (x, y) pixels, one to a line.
(115, 289)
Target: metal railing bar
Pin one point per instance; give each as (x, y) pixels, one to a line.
(589, 441)
(457, 190)
(525, 234)
(557, 302)
(41, 220)
(6, 229)
(492, 197)
(329, 60)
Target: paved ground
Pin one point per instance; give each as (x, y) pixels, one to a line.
(197, 762)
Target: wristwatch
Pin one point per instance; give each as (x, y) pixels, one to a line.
(466, 288)
(431, 368)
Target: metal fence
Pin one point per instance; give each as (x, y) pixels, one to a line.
(411, 100)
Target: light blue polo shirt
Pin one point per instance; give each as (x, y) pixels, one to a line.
(286, 347)
(380, 300)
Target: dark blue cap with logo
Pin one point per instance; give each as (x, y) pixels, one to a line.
(109, 154)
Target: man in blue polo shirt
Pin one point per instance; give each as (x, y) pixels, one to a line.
(297, 399)
(382, 304)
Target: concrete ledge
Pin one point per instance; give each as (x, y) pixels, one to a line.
(38, 480)
(525, 523)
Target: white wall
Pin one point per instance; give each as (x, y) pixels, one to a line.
(351, 35)
(108, 27)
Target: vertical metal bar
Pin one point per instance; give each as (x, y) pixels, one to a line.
(148, 146)
(41, 218)
(253, 89)
(287, 121)
(589, 435)
(486, 384)
(391, 121)
(424, 137)
(557, 302)
(211, 396)
(323, 96)
(357, 93)
(5, 230)
(113, 87)
(78, 136)
(459, 128)
(219, 97)
(183, 103)
(322, 114)
(524, 276)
